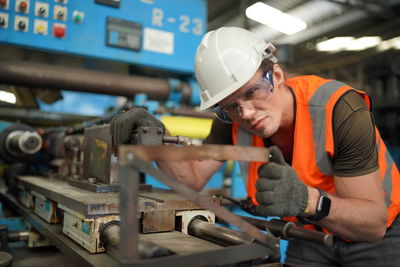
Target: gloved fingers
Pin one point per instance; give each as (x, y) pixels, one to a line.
(112, 129)
(276, 155)
(271, 170)
(124, 126)
(115, 132)
(265, 211)
(264, 184)
(266, 198)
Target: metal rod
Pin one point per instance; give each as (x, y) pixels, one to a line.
(18, 236)
(111, 235)
(128, 198)
(218, 234)
(55, 77)
(289, 230)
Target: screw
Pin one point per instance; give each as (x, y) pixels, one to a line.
(130, 156)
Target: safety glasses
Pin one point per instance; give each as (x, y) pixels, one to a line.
(262, 90)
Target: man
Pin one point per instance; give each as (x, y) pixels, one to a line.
(340, 179)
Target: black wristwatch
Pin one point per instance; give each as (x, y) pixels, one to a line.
(323, 207)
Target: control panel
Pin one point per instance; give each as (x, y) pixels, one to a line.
(159, 34)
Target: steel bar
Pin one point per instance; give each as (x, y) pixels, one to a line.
(218, 234)
(111, 236)
(40, 118)
(128, 200)
(18, 236)
(129, 160)
(74, 79)
(289, 230)
(215, 152)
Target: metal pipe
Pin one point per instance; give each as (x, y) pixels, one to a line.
(18, 236)
(289, 230)
(110, 236)
(218, 234)
(56, 77)
(41, 118)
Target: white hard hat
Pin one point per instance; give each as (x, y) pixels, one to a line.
(225, 60)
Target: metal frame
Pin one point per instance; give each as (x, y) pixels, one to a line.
(130, 167)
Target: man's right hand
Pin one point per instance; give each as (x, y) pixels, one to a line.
(122, 128)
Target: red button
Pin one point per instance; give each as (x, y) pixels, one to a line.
(59, 31)
(3, 2)
(23, 5)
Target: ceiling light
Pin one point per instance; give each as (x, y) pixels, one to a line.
(389, 44)
(349, 43)
(334, 44)
(275, 18)
(8, 97)
(363, 43)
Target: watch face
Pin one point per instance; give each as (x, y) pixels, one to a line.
(324, 205)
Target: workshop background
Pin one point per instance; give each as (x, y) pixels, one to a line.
(67, 67)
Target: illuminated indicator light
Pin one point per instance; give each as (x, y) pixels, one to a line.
(23, 5)
(41, 29)
(59, 31)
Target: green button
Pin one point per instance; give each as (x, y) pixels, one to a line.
(78, 18)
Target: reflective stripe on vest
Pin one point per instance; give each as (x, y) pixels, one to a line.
(318, 117)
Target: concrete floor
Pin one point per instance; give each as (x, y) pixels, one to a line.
(39, 257)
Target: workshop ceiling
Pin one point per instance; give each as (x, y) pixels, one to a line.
(325, 19)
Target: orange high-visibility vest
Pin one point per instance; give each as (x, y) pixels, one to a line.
(313, 144)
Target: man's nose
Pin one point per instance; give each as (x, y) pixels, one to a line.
(246, 112)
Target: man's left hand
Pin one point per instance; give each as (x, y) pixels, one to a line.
(279, 190)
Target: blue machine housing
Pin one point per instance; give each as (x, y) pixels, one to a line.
(158, 34)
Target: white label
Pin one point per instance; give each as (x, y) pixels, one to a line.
(158, 41)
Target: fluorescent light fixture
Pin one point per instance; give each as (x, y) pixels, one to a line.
(275, 18)
(334, 44)
(389, 44)
(363, 43)
(8, 97)
(348, 43)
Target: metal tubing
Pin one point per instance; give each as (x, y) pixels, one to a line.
(218, 234)
(146, 249)
(18, 236)
(289, 230)
(64, 78)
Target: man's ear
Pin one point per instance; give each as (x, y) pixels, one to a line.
(279, 76)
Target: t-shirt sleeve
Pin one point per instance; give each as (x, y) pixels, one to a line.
(354, 137)
(220, 134)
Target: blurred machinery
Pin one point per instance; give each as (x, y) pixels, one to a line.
(62, 176)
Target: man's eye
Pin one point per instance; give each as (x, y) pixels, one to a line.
(251, 92)
(231, 108)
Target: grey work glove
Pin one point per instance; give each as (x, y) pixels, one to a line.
(279, 190)
(123, 127)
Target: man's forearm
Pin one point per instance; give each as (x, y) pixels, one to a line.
(193, 173)
(353, 219)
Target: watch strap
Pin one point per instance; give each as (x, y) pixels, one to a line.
(320, 214)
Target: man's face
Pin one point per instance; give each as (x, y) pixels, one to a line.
(255, 106)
